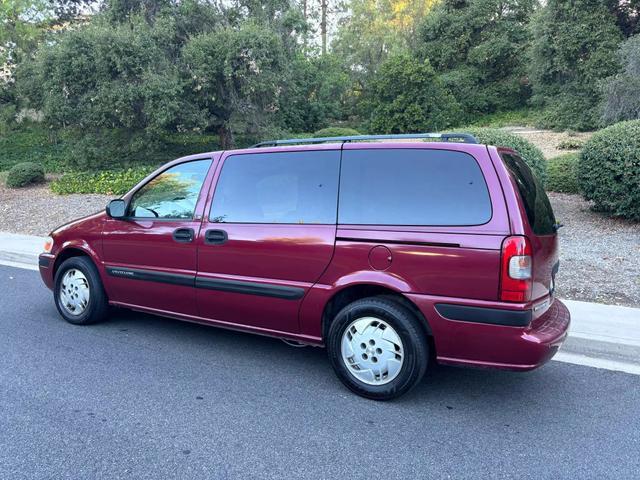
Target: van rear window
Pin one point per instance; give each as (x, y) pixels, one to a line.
(536, 202)
(412, 187)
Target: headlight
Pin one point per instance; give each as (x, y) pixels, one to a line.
(48, 245)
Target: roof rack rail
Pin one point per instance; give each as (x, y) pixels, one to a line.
(444, 137)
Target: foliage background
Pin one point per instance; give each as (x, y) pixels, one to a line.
(91, 86)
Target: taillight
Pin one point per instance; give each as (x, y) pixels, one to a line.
(516, 270)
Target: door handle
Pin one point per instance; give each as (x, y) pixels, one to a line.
(215, 237)
(183, 235)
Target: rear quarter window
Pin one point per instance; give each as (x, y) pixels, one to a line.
(412, 187)
(536, 202)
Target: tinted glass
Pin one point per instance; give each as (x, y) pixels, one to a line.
(412, 187)
(172, 194)
(536, 202)
(284, 187)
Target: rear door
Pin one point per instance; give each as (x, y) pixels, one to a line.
(150, 256)
(540, 224)
(268, 235)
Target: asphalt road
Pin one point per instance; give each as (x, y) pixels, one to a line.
(146, 397)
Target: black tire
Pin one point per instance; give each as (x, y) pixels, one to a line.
(97, 307)
(408, 328)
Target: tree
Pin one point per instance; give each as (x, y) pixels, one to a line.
(104, 76)
(627, 13)
(314, 94)
(120, 11)
(572, 51)
(235, 71)
(376, 29)
(621, 99)
(22, 25)
(479, 48)
(113, 87)
(69, 10)
(406, 96)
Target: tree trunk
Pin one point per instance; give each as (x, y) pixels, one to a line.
(323, 25)
(226, 137)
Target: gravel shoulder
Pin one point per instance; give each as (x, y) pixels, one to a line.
(36, 210)
(599, 256)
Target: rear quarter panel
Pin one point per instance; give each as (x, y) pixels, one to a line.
(453, 262)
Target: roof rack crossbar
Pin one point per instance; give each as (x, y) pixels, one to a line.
(444, 137)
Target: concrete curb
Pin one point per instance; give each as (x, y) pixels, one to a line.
(20, 250)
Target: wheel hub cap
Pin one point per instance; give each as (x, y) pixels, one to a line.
(372, 351)
(74, 292)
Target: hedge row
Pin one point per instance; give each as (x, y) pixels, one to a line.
(115, 182)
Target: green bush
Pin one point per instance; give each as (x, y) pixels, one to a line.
(116, 149)
(335, 132)
(24, 174)
(110, 149)
(113, 182)
(609, 169)
(406, 95)
(531, 154)
(31, 141)
(562, 174)
(571, 144)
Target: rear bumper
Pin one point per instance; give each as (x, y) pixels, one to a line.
(485, 340)
(45, 265)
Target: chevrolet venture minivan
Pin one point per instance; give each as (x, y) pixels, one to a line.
(390, 253)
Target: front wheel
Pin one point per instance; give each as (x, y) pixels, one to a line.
(377, 348)
(78, 292)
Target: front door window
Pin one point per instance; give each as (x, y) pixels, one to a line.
(172, 194)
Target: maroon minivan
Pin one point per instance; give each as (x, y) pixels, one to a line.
(389, 253)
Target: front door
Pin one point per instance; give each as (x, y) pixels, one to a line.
(150, 256)
(268, 235)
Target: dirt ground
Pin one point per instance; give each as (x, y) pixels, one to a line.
(547, 140)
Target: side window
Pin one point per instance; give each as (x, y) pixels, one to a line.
(412, 187)
(172, 194)
(535, 200)
(282, 187)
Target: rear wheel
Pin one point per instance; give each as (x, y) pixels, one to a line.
(78, 292)
(377, 348)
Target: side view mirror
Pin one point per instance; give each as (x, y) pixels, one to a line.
(117, 208)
